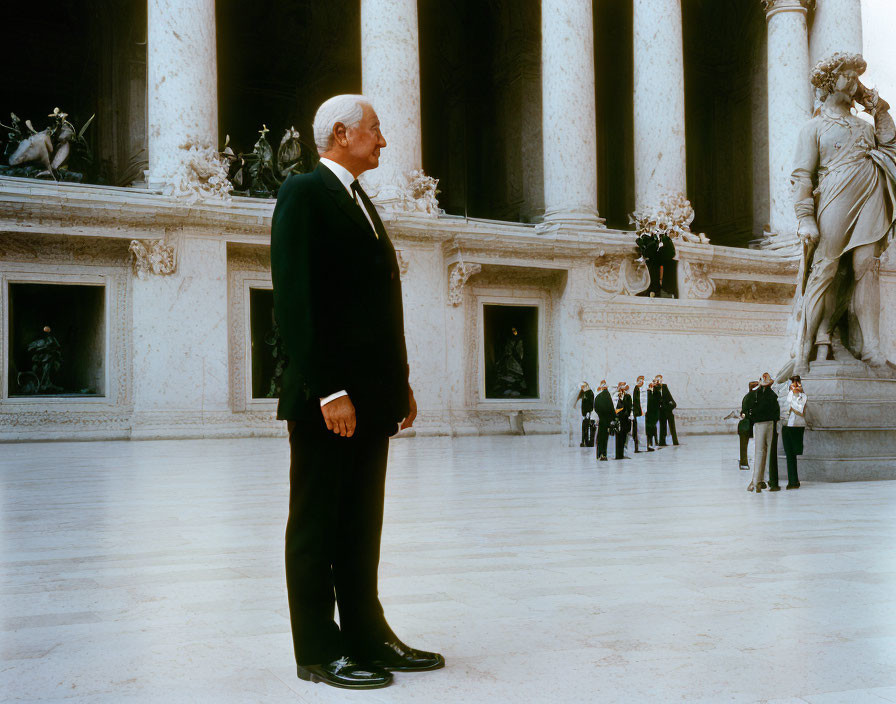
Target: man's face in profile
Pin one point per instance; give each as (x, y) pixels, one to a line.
(366, 140)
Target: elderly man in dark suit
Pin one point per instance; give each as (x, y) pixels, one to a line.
(345, 391)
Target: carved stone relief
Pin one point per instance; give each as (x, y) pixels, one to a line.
(457, 279)
(619, 275)
(697, 281)
(153, 257)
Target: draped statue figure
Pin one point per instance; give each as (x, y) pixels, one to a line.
(845, 193)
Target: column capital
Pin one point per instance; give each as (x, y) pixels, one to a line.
(773, 7)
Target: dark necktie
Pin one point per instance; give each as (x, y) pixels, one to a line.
(357, 191)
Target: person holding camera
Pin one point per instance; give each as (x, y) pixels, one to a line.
(794, 428)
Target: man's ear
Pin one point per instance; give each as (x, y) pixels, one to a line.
(339, 134)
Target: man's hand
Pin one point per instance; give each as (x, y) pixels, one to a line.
(412, 413)
(339, 415)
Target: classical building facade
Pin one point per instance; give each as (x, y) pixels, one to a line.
(546, 122)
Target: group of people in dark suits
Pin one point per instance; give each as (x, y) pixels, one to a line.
(626, 415)
(658, 252)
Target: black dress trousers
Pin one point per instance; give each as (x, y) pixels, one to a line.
(603, 435)
(333, 546)
(792, 439)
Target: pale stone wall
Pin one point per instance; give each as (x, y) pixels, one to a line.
(178, 341)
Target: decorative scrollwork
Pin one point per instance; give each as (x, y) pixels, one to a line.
(460, 274)
(153, 257)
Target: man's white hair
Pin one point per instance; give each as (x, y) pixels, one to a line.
(347, 109)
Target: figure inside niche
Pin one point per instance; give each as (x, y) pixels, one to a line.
(845, 191)
(46, 358)
(510, 377)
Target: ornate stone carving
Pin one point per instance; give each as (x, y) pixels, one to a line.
(153, 257)
(457, 279)
(672, 216)
(419, 194)
(200, 174)
(620, 275)
(697, 280)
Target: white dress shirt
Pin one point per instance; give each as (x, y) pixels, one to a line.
(796, 402)
(346, 178)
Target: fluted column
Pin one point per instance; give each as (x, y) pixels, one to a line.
(660, 153)
(789, 106)
(568, 115)
(390, 67)
(182, 81)
(837, 27)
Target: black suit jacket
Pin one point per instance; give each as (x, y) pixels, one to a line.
(625, 403)
(587, 397)
(667, 403)
(603, 404)
(337, 301)
(636, 402)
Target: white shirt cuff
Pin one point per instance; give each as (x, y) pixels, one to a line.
(332, 397)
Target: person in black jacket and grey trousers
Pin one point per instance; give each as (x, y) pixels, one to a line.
(764, 413)
(745, 426)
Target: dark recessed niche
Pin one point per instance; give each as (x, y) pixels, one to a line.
(263, 343)
(67, 360)
(511, 351)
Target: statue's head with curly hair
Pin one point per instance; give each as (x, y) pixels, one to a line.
(827, 72)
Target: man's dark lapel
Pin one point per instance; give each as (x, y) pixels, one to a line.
(343, 199)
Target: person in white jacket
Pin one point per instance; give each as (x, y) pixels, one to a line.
(794, 428)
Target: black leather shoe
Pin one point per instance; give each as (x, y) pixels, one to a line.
(603, 458)
(763, 485)
(774, 488)
(793, 486)
(397, 657)
(347, 674)
(650, 449)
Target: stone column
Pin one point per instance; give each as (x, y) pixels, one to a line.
(390, 67)
(789, 106)
(182, 81)
(568, 115)
(660, 156)
(837, 27)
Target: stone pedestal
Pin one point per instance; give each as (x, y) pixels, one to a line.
(852, 424)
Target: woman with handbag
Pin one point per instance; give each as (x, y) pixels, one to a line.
(745, 426)
(794, 428)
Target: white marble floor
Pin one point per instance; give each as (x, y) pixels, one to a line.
(152, 572)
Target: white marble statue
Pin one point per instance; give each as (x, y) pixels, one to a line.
(845, 191)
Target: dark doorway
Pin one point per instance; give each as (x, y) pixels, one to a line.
(511, 351)
(264, 343)
(57, 340)
(86, 57)
(721, 40)
(278, 60)
(480, 71)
